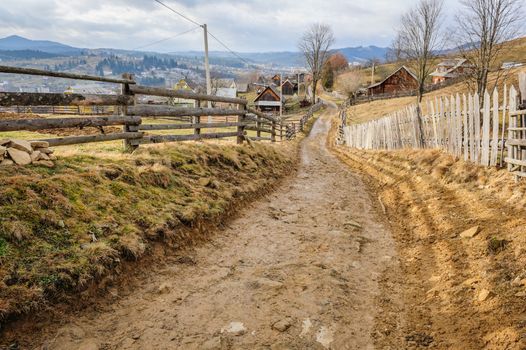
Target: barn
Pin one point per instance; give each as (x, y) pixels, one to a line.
(401, 80)
(268, 100)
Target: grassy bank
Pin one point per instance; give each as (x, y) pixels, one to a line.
(61, 229)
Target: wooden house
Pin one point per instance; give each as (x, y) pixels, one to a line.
(288, 88)
(269, 100)
(401, 80)
(451, 69)
(276, 80)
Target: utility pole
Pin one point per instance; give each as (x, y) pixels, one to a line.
(207, 69)
(280, 94)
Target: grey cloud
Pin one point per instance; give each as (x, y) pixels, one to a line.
(250, 25)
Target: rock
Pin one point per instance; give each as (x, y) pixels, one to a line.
(2, 150)
(18, 156)
(52, 157)
(46, 163)
(234, 328)
(21, 145)
(282, 325)
(39, 144)
(352, 223)
(4, 142)
(44, 150)
(212, 344)
(264, 283)
(472, 232)
(483, 295)
(43, 156)
(7, 162)
(164, 288)
(35, 156)
(518, 281)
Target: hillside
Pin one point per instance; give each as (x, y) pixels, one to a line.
(515, 51)
(15, 42)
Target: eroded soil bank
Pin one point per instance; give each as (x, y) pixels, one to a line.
(457, 292)
(299, 270)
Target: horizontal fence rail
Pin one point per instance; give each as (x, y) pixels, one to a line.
(480, 129)
(229, 118)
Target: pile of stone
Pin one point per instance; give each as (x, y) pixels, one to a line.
(22, 152)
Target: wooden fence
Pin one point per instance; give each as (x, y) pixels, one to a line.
(480, 129)
(293, 128)
(122, 110)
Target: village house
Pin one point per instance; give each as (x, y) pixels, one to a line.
(182, 102)
(269, 100)
(401, 80)
(451, 69)
(288, 88)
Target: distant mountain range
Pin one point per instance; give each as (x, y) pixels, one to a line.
(18, 43)
(286, 58)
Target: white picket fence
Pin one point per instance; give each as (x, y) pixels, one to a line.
(467, 126)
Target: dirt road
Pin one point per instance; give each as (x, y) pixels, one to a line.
(297, 270)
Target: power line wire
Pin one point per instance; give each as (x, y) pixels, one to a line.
(228, 49)
(166, 39)
(178, 13)
(196, 23)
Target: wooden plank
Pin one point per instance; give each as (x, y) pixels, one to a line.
(55, 123)
(147, 127)
(512, 123)
(263, 115)
(484, 158)
(194, 137)
(168, 111)
(259, 130)
(151, 91)
(515, 161)
(495, 132)
(39, 72)
(75, 140)
(8, 99)
(516, 142)
(466, 127)
(476, 114)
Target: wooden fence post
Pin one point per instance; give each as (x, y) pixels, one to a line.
(273, 132)
(197, 120)
(241, 128)
(129, 145)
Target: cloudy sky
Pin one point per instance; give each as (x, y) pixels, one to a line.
(244, 25)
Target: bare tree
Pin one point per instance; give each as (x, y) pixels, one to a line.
(419, 38)
(315, 45)
(351, 83)
(483, 25)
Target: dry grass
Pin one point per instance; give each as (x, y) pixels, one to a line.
(377, 109)
(65, 227)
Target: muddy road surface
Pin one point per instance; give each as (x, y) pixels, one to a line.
(299, 269)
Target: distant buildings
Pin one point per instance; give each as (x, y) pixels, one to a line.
(401, 80)
(90, 89)
(451, 69)
(269, 100)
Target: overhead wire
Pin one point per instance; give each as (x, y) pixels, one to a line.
(166, 39)
(201, 25)
(178, 13)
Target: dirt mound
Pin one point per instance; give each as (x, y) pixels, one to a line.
(461, 235)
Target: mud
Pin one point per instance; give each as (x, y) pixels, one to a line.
(298, 270)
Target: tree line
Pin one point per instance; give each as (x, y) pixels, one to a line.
(118, 65)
